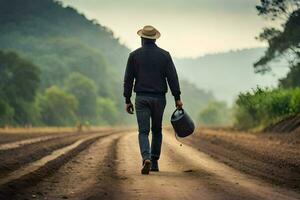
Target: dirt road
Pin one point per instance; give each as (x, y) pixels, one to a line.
(106, 165)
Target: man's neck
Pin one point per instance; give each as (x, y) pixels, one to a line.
(146, 42)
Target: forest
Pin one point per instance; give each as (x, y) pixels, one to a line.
(59, 69)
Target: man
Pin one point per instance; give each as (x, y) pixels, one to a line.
(151, 68)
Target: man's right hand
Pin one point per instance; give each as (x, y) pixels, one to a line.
(129, 108)
(178, 104)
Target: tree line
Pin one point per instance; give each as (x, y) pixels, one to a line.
(22, 103)
(263, 106)
(58, 68)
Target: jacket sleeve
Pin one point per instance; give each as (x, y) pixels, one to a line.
(172, 79)
(128, 79)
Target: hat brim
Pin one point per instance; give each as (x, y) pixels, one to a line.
(156, 36)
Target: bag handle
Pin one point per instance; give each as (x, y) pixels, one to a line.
(180, 109)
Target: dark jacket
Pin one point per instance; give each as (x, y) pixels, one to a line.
(151, 67)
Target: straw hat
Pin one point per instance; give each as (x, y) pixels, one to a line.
(149, 32)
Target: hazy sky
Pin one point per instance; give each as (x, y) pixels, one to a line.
(189, 28)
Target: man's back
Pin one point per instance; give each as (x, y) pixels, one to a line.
(151, 67)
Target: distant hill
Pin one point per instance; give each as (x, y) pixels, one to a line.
(227, 74)
(61, 42)
(48, 19)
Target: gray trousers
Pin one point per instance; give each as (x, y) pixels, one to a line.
(148, 107)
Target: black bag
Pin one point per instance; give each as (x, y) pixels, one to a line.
(182, 123)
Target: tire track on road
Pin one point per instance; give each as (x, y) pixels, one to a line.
(170, 183)
(85, 176)
(205, 179)
(109, 174)
(21, 143)
(187, 174)
(6, 138)
(228, 175)
(36, 171)
(14, 159)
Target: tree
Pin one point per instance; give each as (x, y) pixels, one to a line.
(107, 111)
(58, 108)
(85, 91)
(6, 113)
(18, 85)
(284, 42)
(292, 78)
(215, 114)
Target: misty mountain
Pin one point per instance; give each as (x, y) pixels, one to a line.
(227, 74)
(61, 42)
(49, 19)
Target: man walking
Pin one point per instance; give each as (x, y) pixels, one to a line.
(150, 68)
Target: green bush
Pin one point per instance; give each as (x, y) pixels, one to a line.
(261, 107)
(58, 107)
(85, 91)
(107, 111)
(6, 113)
(215, 114)
(295, 101)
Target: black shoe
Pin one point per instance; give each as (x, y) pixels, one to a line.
(154, 166)
(146, 166)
